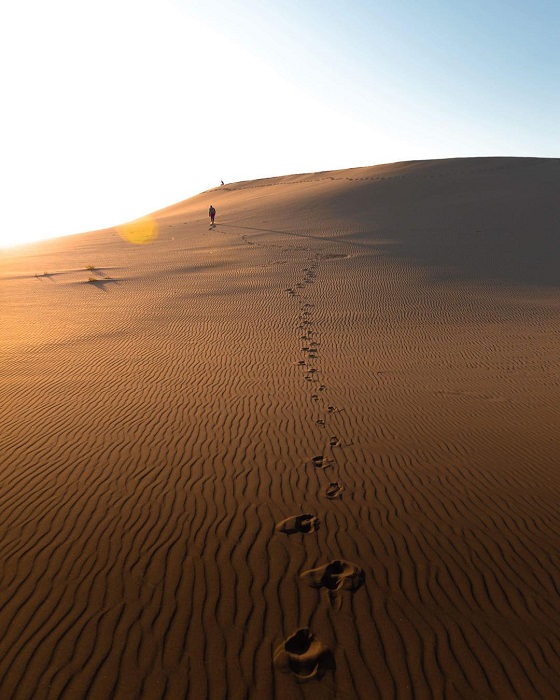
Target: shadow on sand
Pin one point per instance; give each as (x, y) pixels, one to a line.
(101, 284)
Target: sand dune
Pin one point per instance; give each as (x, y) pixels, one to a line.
(374, 350)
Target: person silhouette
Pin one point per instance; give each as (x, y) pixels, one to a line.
(211, 214)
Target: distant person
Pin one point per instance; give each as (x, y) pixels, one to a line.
(222, 182)
(211, 214)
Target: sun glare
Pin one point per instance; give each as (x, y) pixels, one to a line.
(140, 232)
(100, 136)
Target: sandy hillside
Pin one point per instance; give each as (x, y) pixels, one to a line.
(312, 452)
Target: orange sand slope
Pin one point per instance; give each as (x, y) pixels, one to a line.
(309, 453)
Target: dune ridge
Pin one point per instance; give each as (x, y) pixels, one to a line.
(376, 348)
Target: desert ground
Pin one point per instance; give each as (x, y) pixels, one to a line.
(310, 452)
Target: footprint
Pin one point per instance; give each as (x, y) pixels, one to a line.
(315, 397)
(334, 441)
(304, 655)
(299, 523)
(337, 576)
(321, 462)
(320, 423)
(334, 490)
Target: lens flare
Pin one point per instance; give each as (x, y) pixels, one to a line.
(140, 231)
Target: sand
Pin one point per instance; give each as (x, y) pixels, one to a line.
(374, 349)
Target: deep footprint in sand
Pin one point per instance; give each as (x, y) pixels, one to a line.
(304, 655)
(299, 523)
(337, 576)
(334, 490)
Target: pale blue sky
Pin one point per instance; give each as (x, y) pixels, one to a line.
(485, 72)
(119, 107)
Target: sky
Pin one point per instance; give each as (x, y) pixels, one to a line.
(115, 108)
